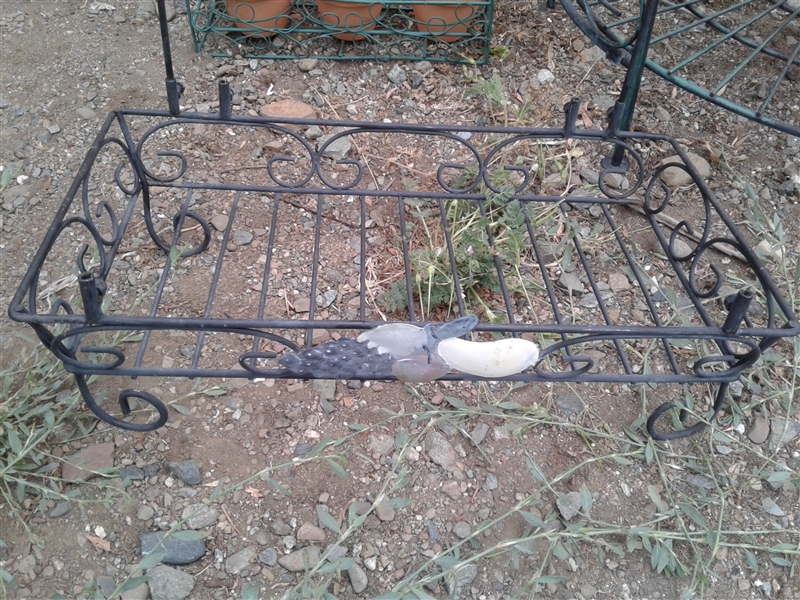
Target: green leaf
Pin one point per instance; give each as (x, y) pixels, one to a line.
(337, 468)
(14, 442)
(357, 427)
(456, 403)
(446, 562)
(781, 562)
(622, 460)
(561, 551)
(250, 592)
(150, 561)
(182, 409)
(397, 503)
(655, 497)
(134, 582)
(778, 476)
(691, 512)
(649, 452)
(327, 520)
(189, 535)
(545, 579)
(751, 559)
(215, 391)
(509, 405)
(276, 485)
(586, 500)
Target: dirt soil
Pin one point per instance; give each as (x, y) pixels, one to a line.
(65, 64)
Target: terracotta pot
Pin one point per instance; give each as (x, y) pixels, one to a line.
(251, 14)
(436, 18)
(353, 16)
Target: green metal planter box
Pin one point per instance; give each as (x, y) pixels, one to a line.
(433, 30)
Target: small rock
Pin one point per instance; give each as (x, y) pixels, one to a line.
(145, 513)
(242, 238)
(423, 66)
(571, 283)
(303, 449)
(462, 578)
(675, 176)
(269, 557)
(61, 509)
(491, 482)
(569, 505)
(177, 549)
(86, 113)
(307, 64)
(199, 517)
(769, 505)
(314, 132)
(240, 561)
(107, 585)
(358, 578)
(381, 443)
(326, 388)
(167, 583)
(440, 450)
(220, 222)
(130, 472)
(662, 114)
(545, 76)
(416, 81)
(140, 592)
(310, 533)
(226, 70)
(336, 150)
(296, 561)
(618, 282)
(462, 530)
(302, 305)
(187, 471)
(87, 461)
(760, 430)
(397, 74)
(570, 404)
(479, 433)
(288, 109)
(385, 513)
(280, 528)
(783, 432)
(27, 564)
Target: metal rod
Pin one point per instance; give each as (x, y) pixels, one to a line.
(224, 100)
(174, 89)
(90, 294)
(737, 311)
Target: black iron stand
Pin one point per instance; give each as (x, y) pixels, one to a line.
(232, 314)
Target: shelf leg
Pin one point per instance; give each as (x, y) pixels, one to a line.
(91, 296)
(174, 88)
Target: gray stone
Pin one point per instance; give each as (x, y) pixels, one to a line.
(440, 450)
(760, 430)
(242, 238)
(783, 432)
(336, 150)
(570, 404)
(87, 461)
(27, 564)
(219, 222)
(358, 578)
(589, 176)
(571, 283)
(381, 443)
(280, 528)
(307, 64)
(662, 114)
(310, 533)
(61, 509)
(177, 549)
(423, 66)
(140, 592)
(385, 513)
(676, 176)
(569, 505)
(491, 482)
(167, 583)
(618, 282)
(131, 472)
(769, 505)
(269, 557)
(479, 433)
(335, 552)
(4, 103)
(313, 133)
(241, 560)
(296, 561)
(458, 582)
(326, 388)
(86, 113)
(416, 81)
(545, 76)
(462, 530)
(145, 512)
(397, 75)
(187, 471)
(107, 585)
(303, 449)
(199, 517)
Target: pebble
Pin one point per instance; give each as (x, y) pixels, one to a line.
(242, 238)
(545, 76)
(307, 64)
(326, 388)
(416, 81)
(675, 176)
(288, 109)
(439, 450)
(462, 530)
(167, 583)
(385, 513)
(241, 560)
(570, 404)
(61, 509)
(358, 578)
(280, 528)
(397, 74)
(479, 433)
(491, 482)
(187, 471)
(199, 517)
(107, 585)
(571, 283)
(423, 66)
(784, 432)
(220, 222)
(662, 114)
(178, 549)
(85, 462)
(131, 472)
(759, 431)
(769, 505)
(303, 449)
(86, 113)
(618, 282)
(314, 132)
(336, 150)
(569, 505)
(458, 581)
(269, 557)
(296, 561)
(310, 533)
(145, 513)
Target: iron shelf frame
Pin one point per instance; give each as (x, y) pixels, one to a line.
(97, 217)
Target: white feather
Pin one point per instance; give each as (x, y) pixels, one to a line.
(500, 358)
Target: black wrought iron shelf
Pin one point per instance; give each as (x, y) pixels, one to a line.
(215, 245)
(743, 56)
(384, 30)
